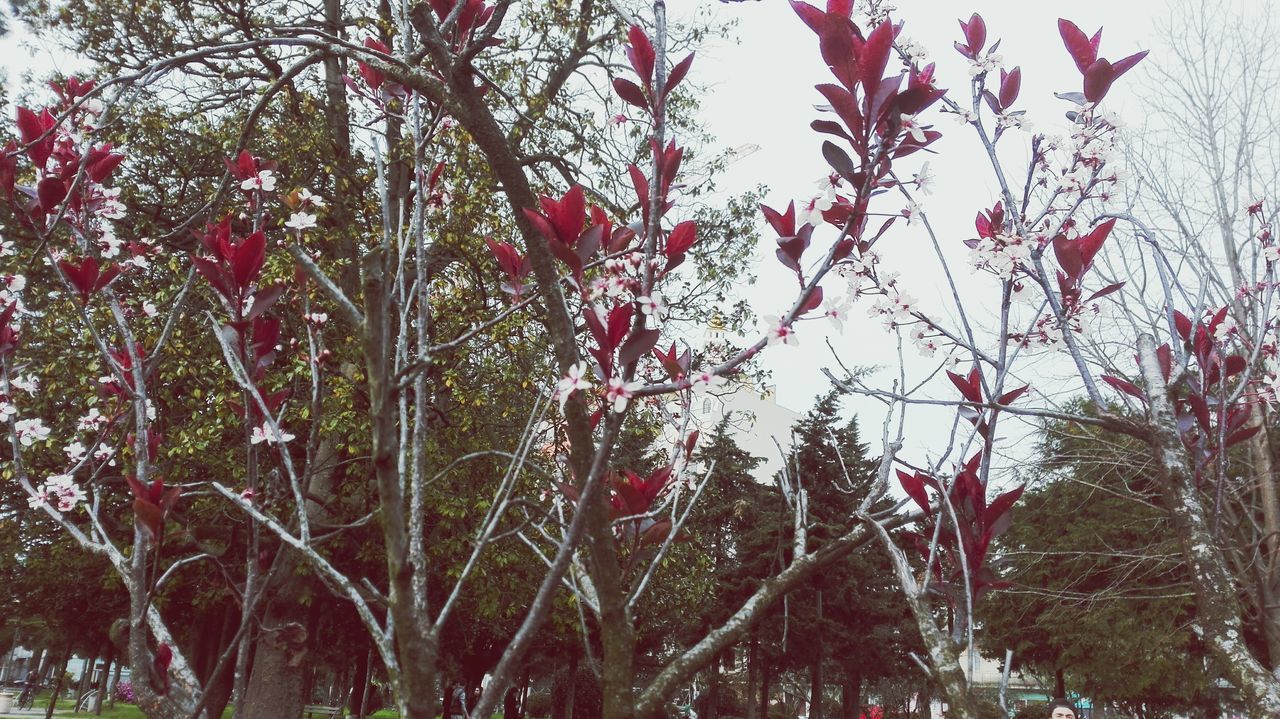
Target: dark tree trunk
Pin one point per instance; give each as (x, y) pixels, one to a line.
(817, 681)
(753, 671)
(355, 689)
(115, 682)
(1059, 684)
(851, 694)
(766, 672)
(103, 683)
(58, 685)
(711, 707)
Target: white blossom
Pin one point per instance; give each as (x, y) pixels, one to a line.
(264, 180)
(575, 380)
(301, 221)
(30, 431)
(75, 451)
(264, 433)
(619, 393)
(780, 333)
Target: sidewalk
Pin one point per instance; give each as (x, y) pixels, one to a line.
(27, 713)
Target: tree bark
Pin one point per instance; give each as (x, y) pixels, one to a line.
(753, 677)
(851, 694)
(711, 707)
(1217, 608)
(58, 685)
(817, 680)
(766, 674)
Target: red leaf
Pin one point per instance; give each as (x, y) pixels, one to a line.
(248, 259)
(1068, 254)
(51, 192)
(656, 533)
(783, 224)
(1098, 79)
(913, 485)
(619, 323)
(1105, 291)
(813, 301)
(1125, 386)
(1183, 324)
(975, 35)
(681, 238)
(637, 344)
(1120, 67)
(1010, 397)
(966, 386)
(1238, 437)
(1010, 84)
(1078, 44)
(1001, 506)
(640, 53)
(677, 74)
(875, 57)
(630, 93)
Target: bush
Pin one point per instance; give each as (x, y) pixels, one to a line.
(124, 692)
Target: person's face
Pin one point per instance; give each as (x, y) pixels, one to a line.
(1062, 713)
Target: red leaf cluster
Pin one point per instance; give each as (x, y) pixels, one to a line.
(1098, 73)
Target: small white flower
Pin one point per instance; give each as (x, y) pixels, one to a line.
(575, 380)
(306, 198)
(301, 221)
(265, 434)
(619, 393)
(264, 180)
(15, 283)
(93, 420)
(653, 305)
(316, 318)
(705, 381)
(30, 385)
(75, 452)
(911, 126)
(64, 489)
(105, 453)
(1272, 253)
(30, 431)
(924, 179)
(779, 333)
(149, 308)
(810, 212)
(837, 312)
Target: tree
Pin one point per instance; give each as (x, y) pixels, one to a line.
(231, 260)
(1099, 594)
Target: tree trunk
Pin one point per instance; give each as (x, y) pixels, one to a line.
(1060, 683)
(1217, 608)
(851, 694)
(753, 672)
(103, 684)
(355, 691)
(275, 684)
(711, 707)
(115, 682)
(573, 686)
(766, 672)
(58, 685)
(817, 680)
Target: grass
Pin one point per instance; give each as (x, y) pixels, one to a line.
(129, 711)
